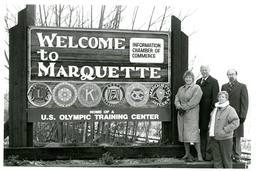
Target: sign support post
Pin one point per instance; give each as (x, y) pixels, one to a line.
(20, 131)
(179, 64)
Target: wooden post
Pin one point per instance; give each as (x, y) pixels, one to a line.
(179, 64)
(20, 132)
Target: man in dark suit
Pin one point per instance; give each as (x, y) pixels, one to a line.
(210, 88)
(238, 98)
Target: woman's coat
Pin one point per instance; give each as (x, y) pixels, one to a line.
(188, 124)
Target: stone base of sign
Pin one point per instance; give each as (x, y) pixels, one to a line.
(95, 152)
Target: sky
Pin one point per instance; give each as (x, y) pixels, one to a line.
(224, 38)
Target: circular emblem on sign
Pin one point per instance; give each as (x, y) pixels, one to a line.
(39, 94)
(113, 95)
(89, 95)
(64, 94)
(137, 95)
(160, 94)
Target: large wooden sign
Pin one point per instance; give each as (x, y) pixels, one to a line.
(98, 75)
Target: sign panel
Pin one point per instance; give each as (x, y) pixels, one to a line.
(73, 72)
(58, 54)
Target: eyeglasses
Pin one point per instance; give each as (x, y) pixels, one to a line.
(231, 74)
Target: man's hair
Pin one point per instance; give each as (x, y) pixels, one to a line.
(233, 70)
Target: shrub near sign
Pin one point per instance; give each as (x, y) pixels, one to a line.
(84, 66)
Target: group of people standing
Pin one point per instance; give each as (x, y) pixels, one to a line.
(211, 119)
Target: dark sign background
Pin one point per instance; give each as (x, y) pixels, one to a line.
(95, 57)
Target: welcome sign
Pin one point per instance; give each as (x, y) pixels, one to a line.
(97, 55)
(73, 72)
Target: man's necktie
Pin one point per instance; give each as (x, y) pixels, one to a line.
(230, 86)
(203, 81)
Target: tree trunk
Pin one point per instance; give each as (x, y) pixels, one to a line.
(85, 132)
(162, 22)
(134, 16)
(41, 17)
(126, 131)
(101, 16)
(147, 131)
(91, 17)
(92, 131)
(117, 19)
(115, 129)
(107, 127)
(102, 132)
(149, 24)
(134, 130)
(73, 131)
(67, 132)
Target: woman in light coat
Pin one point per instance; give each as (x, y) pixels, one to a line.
(224, 121)
(187, 103)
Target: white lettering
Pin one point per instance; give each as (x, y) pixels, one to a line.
(61, 41)
(153, 72)
(111, 116)
(80, 42)
(46, 70)
(62, 72)
(90, 73)
(127, 71)
(142, 69)
(83, 42)
(47, 39)
(145, 116)
(73, 71)
(112, 71)
(119, 41)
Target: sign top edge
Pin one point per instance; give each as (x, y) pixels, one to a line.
(96, 30)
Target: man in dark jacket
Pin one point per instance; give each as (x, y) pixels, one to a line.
(238, 98)
(210, 88)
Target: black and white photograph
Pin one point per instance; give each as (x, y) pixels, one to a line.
(128, 84)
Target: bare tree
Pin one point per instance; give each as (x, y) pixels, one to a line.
(58, 9)
(101, 16)
(150, 20)
(71, 11)
(117, 19)
(44, 15)
(134, 16)
(10, 18)
(91, 17)
(186, 15)
(162, 22)
(114, 21)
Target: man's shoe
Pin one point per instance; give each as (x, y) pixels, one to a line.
(208, 159)
(236, 160)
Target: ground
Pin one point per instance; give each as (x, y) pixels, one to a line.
(108, 161)
(97, 163)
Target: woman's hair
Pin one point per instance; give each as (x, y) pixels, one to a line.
(189, 73)
(223, 92)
